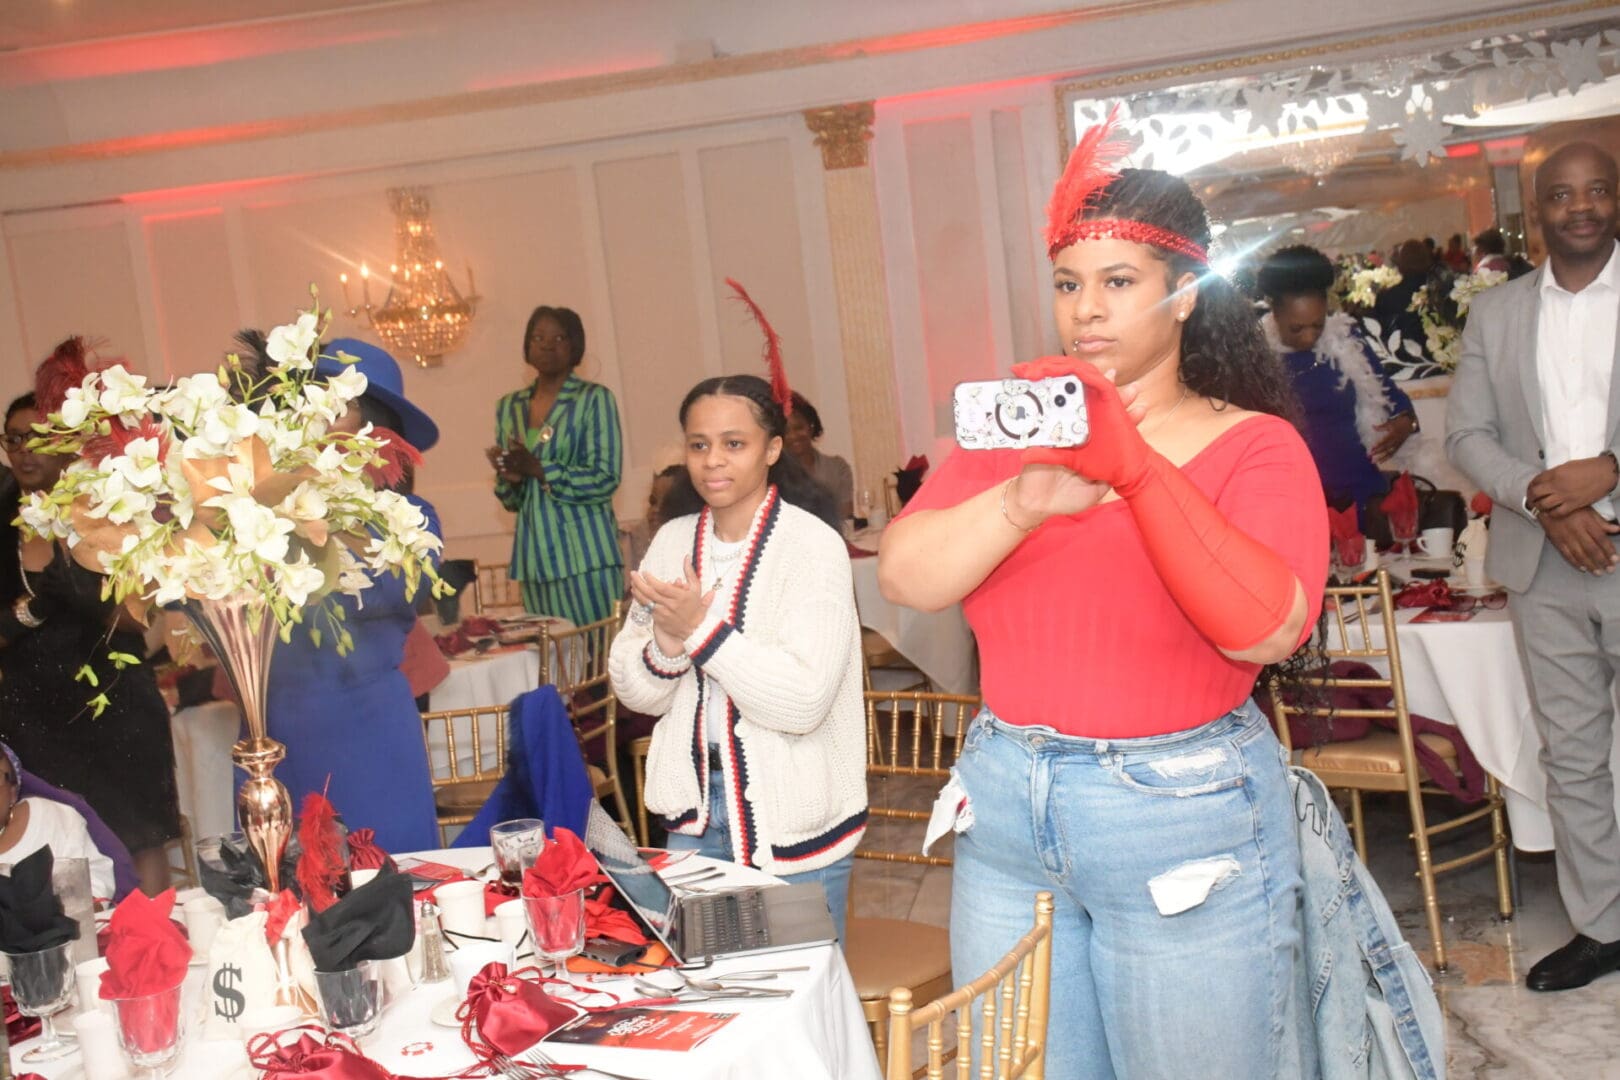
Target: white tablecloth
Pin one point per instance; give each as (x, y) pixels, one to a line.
(203, 737)
(939, 643)
(1470, 674)
(816, 1034)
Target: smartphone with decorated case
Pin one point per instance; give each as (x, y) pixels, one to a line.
(1015, 414)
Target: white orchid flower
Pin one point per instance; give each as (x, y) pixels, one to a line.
(300, 580)
(289, 346)
(257, 528)
(139, 464)
(124, 393)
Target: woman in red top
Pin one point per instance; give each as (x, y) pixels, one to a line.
(1125, 595)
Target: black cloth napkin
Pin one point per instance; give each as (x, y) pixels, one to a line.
(232, 876)
(31, 916)
(373, 922)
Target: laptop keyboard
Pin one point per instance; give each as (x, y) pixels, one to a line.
(730, 922)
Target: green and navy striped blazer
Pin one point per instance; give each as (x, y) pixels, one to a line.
(565, 523)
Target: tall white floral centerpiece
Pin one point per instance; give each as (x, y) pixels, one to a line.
(227, 496)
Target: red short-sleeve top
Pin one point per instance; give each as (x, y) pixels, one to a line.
(1075, 629)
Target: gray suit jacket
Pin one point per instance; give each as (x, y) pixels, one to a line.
(1494, 423)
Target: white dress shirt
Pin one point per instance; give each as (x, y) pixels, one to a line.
(1574, 363)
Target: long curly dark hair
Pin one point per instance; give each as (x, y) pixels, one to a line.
(790, 477)
(1224, 356)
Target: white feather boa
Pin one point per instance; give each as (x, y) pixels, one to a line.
(1342, 349)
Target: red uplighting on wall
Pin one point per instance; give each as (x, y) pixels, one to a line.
(1469, 149)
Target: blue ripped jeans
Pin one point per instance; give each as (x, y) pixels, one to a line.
(716, 844)
(1175, 868)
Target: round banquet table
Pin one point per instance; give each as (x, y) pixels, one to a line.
(1470, 674)
(816, 1034)
(939, 642)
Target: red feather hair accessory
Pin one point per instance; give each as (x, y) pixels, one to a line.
(320, 867)
(395, 458)
(1091, 168)
(773, 349)
(60, 372)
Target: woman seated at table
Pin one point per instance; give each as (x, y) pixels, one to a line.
(743, 641)
(829, 470)
(32, 822)
(1354, 417)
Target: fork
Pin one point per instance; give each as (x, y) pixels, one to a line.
(536, 1056)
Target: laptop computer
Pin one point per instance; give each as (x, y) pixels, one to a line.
(711, 925)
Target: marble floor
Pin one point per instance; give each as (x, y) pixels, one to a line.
(1496, 1027)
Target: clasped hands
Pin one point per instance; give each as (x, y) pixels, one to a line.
(1562, 499)
(678, 607)
(1061, 481)
(514, 461)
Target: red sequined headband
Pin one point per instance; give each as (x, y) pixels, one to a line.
(1090, 170)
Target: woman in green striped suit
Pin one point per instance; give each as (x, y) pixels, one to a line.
(558, 457)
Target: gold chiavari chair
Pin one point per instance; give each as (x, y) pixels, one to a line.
(575, 661)
(891, 497)
(461, 788)
(494, 591)
(1013, 1000)
(911, 736)
(1361, 627)
(639, 749)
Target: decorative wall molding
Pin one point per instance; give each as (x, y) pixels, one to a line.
(842, 132)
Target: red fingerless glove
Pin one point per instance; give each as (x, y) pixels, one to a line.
(1234, 589)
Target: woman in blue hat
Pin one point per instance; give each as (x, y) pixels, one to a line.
(350, 723)
(557, 461)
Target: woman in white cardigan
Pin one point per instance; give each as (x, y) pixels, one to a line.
(743, 641)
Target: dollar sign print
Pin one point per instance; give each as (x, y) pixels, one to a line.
(228, 1000)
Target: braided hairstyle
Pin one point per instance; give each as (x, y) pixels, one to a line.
(1300, 270)
(790, 477)
(1224, 356)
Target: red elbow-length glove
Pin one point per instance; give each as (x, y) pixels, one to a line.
(1237, 591)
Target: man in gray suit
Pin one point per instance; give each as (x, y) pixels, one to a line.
(1534, 420)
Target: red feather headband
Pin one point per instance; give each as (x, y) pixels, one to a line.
(773, 349)
(1091, 168)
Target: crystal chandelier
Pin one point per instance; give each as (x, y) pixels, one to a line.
(1320, 158)
(423, 316)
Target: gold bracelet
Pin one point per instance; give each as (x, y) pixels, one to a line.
(1004, 489)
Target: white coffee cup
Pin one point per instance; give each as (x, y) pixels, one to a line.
(1437, 543)
(461, 907)
(88, 976)
(512, 922)
(471, 956)
(203, 919)
(268, 1020)
(97, 1032)
(358, 878)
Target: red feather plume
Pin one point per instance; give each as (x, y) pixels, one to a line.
(395, 456)
(63, 370)
(1091, 167)
(320, 867)
(773, 349)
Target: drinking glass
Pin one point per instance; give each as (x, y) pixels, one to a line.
(151, 1029)
(864, 504)
(351, 1001)
(42, 983)
(557, 927)
(516, 845)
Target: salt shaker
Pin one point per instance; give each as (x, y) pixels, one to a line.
(435, 968)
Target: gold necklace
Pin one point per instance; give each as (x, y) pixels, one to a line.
(1161, 421)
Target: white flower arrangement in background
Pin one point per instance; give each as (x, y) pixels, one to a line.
(1443, 321)
(229, 483)
(1365, 285)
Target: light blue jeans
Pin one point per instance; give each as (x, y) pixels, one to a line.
(716, 844)
(1176, 874)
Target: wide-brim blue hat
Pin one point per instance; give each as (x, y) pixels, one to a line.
(384, 383)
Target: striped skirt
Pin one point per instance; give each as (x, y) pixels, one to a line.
(582, 598)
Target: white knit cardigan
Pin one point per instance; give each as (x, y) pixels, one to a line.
(786, 655)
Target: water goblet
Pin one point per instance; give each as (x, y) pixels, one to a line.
(351, 1001)
(151, 1029)
(516, 844)
(42, 983)
(557, 927)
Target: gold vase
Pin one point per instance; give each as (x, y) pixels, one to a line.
(244, 649)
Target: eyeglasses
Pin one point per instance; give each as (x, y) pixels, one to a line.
(1490, 601)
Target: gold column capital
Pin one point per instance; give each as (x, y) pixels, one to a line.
(842, 132)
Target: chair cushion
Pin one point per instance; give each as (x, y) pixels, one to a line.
(886, 953)
(601, 782)
(466, 797)
(1377, 752)
(878, 652)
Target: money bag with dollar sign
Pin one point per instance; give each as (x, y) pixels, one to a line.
(241, 976)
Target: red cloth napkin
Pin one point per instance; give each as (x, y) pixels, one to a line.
(1348, 542)
(508, 1012)
(1480, 504)
(858, 552)
(146, 952)
(316, 1055)
(280, 913)
(1401, 507)
(919, 461)
(1428, 594)
(603, 920)
(365, 853)
(563, 865)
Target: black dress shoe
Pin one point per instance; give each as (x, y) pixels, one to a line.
(1576, 964)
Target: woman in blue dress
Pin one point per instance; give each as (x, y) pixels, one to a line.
(1354, 417)
(350, 723)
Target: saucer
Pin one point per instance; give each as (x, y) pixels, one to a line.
(444, 1013)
